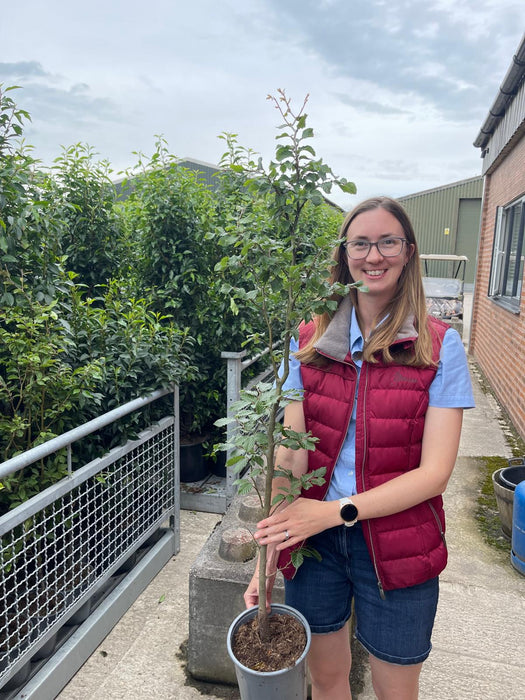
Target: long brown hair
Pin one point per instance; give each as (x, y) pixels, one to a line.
(408, 301)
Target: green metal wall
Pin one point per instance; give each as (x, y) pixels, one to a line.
(446, 221)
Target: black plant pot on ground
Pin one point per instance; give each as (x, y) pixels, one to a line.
(14, 633)
(217, 464)
(67, 588)
(514, 474)
(286, 683)
(193, 466)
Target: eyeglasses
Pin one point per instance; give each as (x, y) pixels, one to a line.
(387, 247)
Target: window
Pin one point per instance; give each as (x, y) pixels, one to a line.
(506, 274)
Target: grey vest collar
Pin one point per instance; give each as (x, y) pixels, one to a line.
(335, 341)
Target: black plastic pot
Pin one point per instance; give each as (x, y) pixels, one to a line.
(217, 464)
(8, 655)
(49, 647)
(512, 476)
(18, 679)
(193, 466)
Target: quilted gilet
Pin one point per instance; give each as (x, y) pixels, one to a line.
(409, 547)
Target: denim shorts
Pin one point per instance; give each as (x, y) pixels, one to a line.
(396, 629)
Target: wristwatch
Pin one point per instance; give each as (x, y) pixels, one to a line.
(348, 511)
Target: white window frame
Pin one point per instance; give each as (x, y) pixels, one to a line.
(499, 271)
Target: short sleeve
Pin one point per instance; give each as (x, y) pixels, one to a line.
(452, 386)
(294, 381)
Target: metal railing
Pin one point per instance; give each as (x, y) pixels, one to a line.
(61, 549)
(236, 363)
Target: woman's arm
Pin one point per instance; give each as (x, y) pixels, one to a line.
(306, 517)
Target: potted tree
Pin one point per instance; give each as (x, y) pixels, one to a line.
(285, 279)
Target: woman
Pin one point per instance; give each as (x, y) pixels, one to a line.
(383, 389)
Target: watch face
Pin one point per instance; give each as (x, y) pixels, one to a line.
(349, 512)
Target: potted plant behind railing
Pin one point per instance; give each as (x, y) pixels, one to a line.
(285, 273)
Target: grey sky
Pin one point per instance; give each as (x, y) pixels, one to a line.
(398, 90)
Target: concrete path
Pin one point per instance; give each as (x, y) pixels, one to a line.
(479, 636)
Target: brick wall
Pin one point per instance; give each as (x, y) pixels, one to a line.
(498, 336)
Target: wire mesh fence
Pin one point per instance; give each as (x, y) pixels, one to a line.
(63, 545)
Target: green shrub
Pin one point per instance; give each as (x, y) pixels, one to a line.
(91, 235)
(66, 355)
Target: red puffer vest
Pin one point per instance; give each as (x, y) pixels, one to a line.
(409, 547)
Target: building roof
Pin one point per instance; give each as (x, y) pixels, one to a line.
(459, 183)
(508, 90)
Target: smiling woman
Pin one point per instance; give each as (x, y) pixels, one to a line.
(383, 386)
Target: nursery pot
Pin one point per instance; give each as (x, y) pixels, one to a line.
(14, 639)
(217, 464)
(261, 685)
(193, 466)
(512, 475)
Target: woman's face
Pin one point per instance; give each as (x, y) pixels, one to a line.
(379, 272)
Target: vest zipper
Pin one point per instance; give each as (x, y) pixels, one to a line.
(374, 558)
(350, 364)
(438, 522)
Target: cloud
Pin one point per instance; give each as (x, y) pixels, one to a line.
(68, 106)
(398, 88)
(50, 97)
(370, 106)
(429, 49)
(22, 70)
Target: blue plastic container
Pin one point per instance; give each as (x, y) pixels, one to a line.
(517, 555)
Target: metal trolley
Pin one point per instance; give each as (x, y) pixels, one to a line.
(444, 294)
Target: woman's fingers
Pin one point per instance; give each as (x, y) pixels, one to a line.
(300, 520)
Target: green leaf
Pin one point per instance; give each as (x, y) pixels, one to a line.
(297, 558)
(348, 187)
(283, 152)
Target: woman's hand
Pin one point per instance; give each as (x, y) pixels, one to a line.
(298, 521)
(251, 595)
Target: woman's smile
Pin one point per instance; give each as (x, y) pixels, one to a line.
(374, 273)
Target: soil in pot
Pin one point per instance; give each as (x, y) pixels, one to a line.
(286, 644)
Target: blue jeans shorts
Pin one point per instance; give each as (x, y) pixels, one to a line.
(396, 630)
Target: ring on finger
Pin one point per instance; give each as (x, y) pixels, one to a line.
(286, 535)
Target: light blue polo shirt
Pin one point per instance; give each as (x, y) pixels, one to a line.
(451, 388)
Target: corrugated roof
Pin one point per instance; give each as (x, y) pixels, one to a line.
(459, 183)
